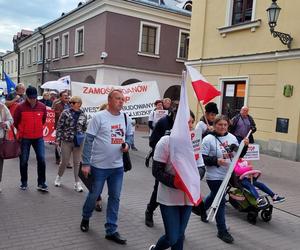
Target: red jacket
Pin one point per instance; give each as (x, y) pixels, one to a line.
(30, 120)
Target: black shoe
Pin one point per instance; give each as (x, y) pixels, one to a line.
(226, 237)
(149, 219)
(84, 225)
(42, 187)
(116, 237)
(98, 207)
(200, 211)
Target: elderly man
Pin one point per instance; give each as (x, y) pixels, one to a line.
(59, 106)
(107, 137)
(241, 124)
(15, 97)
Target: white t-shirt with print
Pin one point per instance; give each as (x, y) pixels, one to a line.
(211, 146)
(155, 116)
(196, 136)
(109, 131)
(166, 195)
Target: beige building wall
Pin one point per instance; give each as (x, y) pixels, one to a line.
(252, 54)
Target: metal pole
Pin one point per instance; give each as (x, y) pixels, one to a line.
(44, 52)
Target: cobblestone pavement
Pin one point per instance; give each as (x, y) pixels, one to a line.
(33, 220)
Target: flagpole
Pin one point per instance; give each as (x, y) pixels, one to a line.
(216, 203)
(203, 112)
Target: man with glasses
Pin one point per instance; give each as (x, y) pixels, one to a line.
(29, 118)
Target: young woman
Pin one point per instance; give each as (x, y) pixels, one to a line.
(217, 151)
(175, 207)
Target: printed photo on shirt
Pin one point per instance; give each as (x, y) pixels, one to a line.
(117, 134)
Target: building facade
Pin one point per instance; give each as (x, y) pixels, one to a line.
(232, 46)
(10, 65)
(110, 42)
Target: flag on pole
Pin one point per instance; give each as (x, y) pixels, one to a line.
(182, 152)
(203, 89)
(65, 82)
(11, 86)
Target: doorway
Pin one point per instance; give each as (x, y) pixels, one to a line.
(233, 97)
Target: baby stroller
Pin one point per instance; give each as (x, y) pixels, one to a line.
(242, 200)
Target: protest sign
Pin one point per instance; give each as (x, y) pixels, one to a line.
(252, 153)
(139, 97)
(49, 126)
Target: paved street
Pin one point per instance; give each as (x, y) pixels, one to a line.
(33, 220)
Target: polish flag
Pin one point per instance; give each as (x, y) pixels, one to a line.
(203, 89)
(182, 155)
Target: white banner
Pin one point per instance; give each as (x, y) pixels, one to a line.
(252, 153)
(139, 97)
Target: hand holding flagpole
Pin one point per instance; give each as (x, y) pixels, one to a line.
(216, 203)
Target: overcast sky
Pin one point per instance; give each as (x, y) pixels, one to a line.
(28, 14)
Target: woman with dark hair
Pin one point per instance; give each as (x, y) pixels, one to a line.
(218, 149)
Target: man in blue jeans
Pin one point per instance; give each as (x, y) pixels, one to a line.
(107, 137)
(29, 118)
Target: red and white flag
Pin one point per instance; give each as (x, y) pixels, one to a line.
(203, 89)
(182, 152)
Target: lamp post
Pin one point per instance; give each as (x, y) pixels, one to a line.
(17, 51)
(44, 50)
(273, 14)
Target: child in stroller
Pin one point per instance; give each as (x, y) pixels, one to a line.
(245, 196)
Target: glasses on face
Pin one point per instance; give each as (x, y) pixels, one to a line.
(73, 102)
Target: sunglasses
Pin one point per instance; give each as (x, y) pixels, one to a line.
(73, 102)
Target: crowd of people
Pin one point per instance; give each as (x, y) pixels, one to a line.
(97, 148)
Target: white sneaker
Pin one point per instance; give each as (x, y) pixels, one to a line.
(152, 247)
(78, 187)
(57, 181)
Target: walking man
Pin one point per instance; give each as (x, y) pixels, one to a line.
(241, 124)
(29, 118)
(107, 137)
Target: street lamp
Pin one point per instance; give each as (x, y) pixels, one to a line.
(273, 14)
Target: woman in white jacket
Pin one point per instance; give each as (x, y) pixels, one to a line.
(6, 121)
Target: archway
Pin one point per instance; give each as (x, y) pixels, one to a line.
(173, 93)
(130, 81)
(89, 79)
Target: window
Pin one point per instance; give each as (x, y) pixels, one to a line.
(29, 58)
(16, 65)
(34, 55)
(183, 46)
(149, 38)
(40, 52)
(65, 44)
(79, 40)
(22, 59)
(8, 67)
(12, 66)
(241, 11)
(56, 47)
(48, 50)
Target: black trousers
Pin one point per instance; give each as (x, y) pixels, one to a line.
(152, 205)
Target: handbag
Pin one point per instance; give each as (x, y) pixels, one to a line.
(10, 149)
(126, 157)
(79, 138)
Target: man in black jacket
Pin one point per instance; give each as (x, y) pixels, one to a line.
(163, 125)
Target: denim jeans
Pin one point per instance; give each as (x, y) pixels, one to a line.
(251, 187)
(39, 149)
(214, 186)
(114, 179)
(175, 220)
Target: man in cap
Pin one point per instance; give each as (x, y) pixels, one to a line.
(29, 118)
